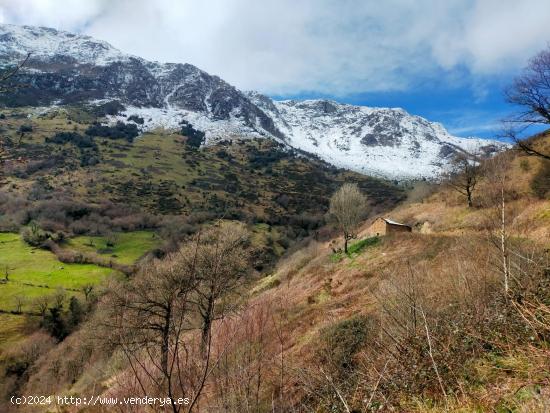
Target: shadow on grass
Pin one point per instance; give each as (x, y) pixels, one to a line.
(355, 249)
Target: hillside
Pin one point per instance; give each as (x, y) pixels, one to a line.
(415, 322)
(66, 68)
(419, 322)
(170, 243)
(66, 154)
(76, 209)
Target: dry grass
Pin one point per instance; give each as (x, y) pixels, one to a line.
(453, 270)
(440, 334)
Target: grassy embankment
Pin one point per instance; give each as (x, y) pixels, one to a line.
(28, 272)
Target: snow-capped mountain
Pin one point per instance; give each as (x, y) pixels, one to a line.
(65, 68)
(375, 141)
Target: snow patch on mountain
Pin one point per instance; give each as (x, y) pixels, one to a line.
(43, 42)
(67, 68)
(171, 119)
(386, 142)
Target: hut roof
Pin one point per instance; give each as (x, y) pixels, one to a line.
(389, 221)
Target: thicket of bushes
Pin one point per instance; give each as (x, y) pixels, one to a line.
(72, 217)
(81, 141)
(137, 119)
(120, 130)
(113, 107)
(195, 137)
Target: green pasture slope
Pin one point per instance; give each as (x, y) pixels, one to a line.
(126, 247)
(32, 272)
(27, 272)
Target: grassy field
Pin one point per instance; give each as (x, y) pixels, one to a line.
(355, 248)
(31, 272)
(11, 329)
(34, 272)
(126, 247)
(25, 264)
(27, 273)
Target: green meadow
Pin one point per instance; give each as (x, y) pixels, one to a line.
(27, 272)
(124, 248)
(30, 272)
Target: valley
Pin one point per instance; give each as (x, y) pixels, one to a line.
(158, 188)
(167, 236)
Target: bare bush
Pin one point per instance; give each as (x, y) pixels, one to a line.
(464, 175)
(530, 91)
(18, 363)
(348, 205)
(251, 373)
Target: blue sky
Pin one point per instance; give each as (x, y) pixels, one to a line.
(445, 60)
(464, 109)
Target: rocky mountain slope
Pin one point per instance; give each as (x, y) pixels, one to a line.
(65, 68)
(374, 141)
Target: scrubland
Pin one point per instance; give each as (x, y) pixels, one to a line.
(451, 317)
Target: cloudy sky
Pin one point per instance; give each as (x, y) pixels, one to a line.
(446, 60)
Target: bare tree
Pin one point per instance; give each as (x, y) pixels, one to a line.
(87, 289)
(59, 297)
(19, 301)
(6, 75)
(40, 304)
(220, 263)
(500, 214)
(147, 319)
(348, 205)
(531, 92)
(464, 175)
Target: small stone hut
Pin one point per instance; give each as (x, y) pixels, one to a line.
(383, 226)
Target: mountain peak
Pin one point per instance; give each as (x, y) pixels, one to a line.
(70, 68)
(47, 43)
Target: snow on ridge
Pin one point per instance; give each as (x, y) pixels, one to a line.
(42, 42)
(386, 142)
(411, 148)
(171, 119)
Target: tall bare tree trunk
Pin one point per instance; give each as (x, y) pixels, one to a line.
(164, 358)
(503, 246)
(207, 326)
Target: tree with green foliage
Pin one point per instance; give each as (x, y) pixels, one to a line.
(55, 324)
(76, 312)
(348, 206)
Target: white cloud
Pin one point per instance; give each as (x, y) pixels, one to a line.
(325, 46)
